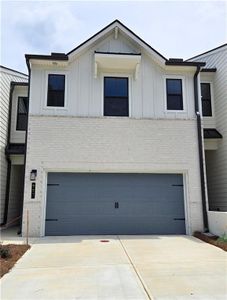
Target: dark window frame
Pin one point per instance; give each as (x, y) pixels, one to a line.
(117, 97)
(181, 95)
(18, 128)
(207, 99)
(59, 91)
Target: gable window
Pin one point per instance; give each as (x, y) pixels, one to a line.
(22, 113)
(206, 100)
(116, 96)
(56, 90)
(174, 94)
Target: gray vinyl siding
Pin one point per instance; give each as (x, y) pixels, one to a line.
(5, 78)
(216, 160)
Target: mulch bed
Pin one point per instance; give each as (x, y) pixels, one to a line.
(15, 253)
(213, 240)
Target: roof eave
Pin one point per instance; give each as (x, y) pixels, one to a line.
(185, 64)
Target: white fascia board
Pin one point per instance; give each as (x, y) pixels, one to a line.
(45, 62)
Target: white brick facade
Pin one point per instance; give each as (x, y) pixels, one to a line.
(77, 144)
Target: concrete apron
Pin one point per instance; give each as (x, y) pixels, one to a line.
(78, 267)
(132, 267)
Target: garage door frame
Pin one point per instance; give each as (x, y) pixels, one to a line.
(185, 189)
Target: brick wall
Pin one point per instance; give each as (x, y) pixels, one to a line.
(76, 144)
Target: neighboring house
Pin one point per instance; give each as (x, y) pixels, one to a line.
(11, 80)
(214, 102)
(114, 140)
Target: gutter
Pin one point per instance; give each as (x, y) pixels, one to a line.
(200, 145)
(180, 62)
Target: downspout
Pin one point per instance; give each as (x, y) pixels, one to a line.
(7, 191)
(200, 145)
(26, 138)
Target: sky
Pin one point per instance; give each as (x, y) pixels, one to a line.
(174, 28)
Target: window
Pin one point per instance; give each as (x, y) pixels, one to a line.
(116, 96)
(22, 113)
(206, 99)
(174, 94)
(56, 90)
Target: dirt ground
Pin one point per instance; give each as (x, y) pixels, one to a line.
(213, 240)
(15, 253)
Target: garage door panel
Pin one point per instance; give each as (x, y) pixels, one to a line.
(85, 203)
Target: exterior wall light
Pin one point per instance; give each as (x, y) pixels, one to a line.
(33, 175)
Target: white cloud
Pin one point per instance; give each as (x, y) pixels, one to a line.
(176, 28)
(46, 25)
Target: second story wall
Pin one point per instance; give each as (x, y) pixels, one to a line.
(84, 92)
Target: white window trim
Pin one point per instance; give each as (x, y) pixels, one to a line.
(212, 100)
(129, 76)
(184, 110)
(16, 114)
(65, 107)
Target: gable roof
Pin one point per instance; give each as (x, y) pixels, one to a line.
(159, 58)
(110, 27)
(12, 70)
(209, 51)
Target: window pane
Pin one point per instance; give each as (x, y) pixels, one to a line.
(206, 99)
(56, 90)
(22, 122)
(23, 105)
(116, 107)
(174, 102)
(56, 82)
(205, 90)
(116, 96)
(22, 113)
(206, 107)
(174, 86)
(55, 98)
(116, 87)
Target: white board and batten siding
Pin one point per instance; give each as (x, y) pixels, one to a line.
(217, 160)
(6, 76)
(84, 93)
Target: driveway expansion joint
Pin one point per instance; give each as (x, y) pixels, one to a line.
(136, 271)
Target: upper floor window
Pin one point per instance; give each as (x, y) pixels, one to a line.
(174, 94)
(22, 113)
(56, 90)
(206, 100)
(116, 96)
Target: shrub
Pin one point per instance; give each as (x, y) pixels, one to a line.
(223, 238)
(4, 252)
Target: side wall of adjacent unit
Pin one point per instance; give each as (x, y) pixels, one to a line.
(6, 76)
(216, 160)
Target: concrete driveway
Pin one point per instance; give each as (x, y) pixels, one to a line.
(126, 267)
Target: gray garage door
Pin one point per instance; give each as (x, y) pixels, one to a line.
(97, 203)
